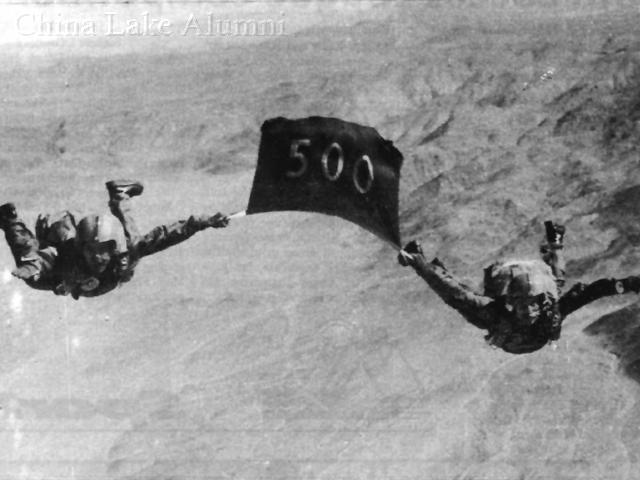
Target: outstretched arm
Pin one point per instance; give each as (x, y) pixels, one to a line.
(453, 292)
(581, 294)
(165, 236)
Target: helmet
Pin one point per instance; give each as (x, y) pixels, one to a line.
(519, 278)
(101, 229)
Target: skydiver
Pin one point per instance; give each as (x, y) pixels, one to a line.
(524, 312)
(93, 255)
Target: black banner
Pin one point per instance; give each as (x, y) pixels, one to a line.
(330, 166)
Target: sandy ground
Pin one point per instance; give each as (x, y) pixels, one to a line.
(292, 346)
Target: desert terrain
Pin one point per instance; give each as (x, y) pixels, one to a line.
(292, 346)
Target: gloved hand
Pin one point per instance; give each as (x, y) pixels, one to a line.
(405, 257)
(631, 284)
(413, 247)
(219, 220)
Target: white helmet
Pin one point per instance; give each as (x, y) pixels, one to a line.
(101, 229)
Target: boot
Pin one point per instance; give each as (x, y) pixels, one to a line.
(555, 234)
(8, 215)
(121, 189)
(218, 220)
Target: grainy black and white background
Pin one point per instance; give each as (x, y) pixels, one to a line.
(292, 346)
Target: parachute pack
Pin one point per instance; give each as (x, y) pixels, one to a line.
(520, 277)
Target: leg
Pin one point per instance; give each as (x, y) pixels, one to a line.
(552, 251)
(120, 193)
(121, 209)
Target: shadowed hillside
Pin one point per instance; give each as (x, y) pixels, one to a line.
(290, 345)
